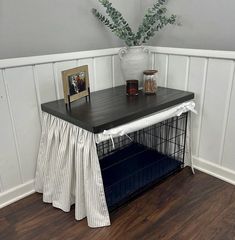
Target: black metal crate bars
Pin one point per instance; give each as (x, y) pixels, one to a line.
(141, 159)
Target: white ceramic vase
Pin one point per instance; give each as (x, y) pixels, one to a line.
(134, 60)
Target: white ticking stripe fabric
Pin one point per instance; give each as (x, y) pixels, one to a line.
(68, 171)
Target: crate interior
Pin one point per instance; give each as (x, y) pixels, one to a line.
(141, 159)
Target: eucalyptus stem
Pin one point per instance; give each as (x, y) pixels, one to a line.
(154, 20)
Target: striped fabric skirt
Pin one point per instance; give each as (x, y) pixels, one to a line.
(68, 170)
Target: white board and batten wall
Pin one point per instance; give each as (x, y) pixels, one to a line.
(25, 83)
(210, 75)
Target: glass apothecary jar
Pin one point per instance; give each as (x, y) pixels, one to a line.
(150, 81)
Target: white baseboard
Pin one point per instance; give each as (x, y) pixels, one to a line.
(16, 193)
(24, 190)
(215, 170)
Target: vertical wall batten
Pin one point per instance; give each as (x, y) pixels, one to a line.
(226, 115)
(1, 185)
(187, 73)
(55, 75)
(36, 87)
(13, 127)
(95, 75)
(113, 70)
(153, 61)
(167, 69)
(202, 105)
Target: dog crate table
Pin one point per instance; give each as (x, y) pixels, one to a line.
(125, 148)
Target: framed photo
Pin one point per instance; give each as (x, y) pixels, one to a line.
(75, 83)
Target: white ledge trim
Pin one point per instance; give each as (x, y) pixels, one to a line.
(43, 59)
(194, 52)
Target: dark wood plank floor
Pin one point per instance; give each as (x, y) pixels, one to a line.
(182, 207)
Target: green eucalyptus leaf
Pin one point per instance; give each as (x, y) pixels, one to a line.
(154, 19)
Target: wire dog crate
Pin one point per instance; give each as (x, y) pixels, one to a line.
(141, 159)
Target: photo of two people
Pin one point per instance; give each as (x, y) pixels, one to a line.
(77, 83)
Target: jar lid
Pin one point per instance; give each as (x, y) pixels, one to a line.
(150, 72)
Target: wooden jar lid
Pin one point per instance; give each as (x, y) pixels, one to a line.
(150, 72)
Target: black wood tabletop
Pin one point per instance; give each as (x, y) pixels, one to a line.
(111, 107)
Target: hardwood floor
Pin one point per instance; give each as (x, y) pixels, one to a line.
(183, 207)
